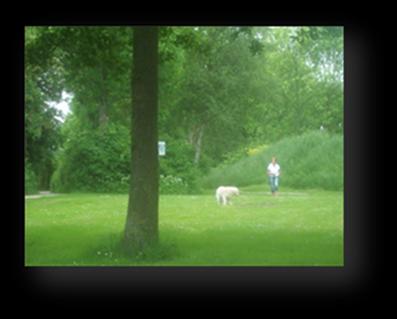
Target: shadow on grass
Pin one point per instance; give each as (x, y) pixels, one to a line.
(257, 245)
(111, 251)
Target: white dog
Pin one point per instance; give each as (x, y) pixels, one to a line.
(224, 193)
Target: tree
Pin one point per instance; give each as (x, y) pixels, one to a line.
(141, 228)
(43, 82)
(299, 87)
(215, 90)
(98, 60)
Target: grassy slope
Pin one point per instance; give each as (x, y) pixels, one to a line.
(296, 228)
(312, 160)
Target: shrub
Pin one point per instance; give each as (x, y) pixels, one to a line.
(172, 185)
(178, 173)
(31, 183)
(99, 161)
(94, 160)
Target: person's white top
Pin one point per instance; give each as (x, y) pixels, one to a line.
(274, 169)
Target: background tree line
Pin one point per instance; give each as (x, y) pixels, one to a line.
(221, 91)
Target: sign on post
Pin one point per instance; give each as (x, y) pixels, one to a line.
(161, 148)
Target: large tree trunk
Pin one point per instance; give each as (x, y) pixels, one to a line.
(141, 229)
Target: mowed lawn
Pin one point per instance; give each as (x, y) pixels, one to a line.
(296, 228)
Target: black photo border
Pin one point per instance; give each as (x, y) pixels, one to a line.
(354, 282)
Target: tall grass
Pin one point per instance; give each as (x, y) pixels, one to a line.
(311, 160)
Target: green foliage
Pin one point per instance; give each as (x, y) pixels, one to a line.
(42, 133)
(178, 174)
(323, 47)
(221, 90)
(312, 160)
(213, 92)
(97, 161)
(238, 98)
(234, 156)
(31, 184)
(173, 185)
(43, 82)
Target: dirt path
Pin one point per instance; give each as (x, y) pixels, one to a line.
(40, 194)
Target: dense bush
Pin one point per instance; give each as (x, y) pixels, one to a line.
(172, 185)
(178, 173)
(311, 160)
(94, 160)
(99, 161)
(31, 183)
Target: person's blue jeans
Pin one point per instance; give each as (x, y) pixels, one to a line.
(273, 181)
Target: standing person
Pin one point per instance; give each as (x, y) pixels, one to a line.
(273, 171)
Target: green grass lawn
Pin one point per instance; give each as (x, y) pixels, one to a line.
(297, 228)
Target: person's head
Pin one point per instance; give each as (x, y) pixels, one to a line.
(274, 159)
